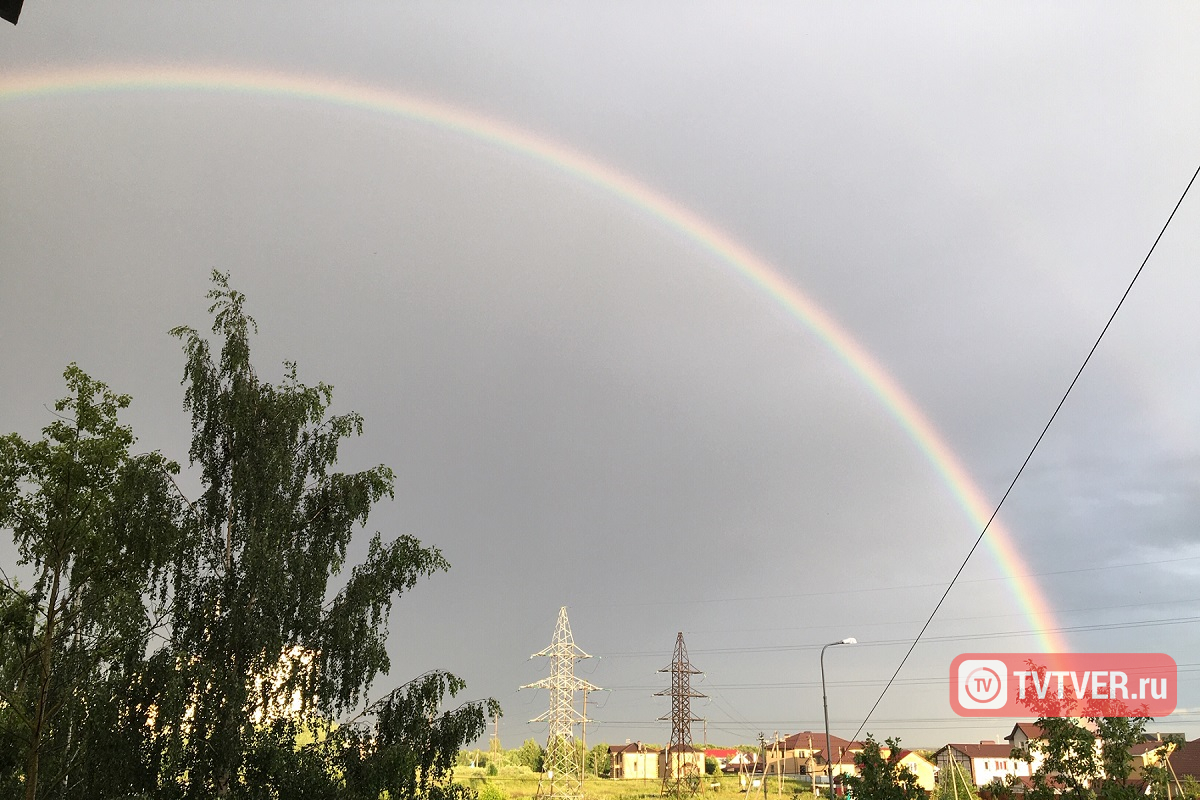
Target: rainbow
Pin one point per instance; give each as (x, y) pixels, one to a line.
(758, 273)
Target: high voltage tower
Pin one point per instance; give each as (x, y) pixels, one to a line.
(562, 772)
(681, 772)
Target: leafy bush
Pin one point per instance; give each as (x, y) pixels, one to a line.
(490, 791)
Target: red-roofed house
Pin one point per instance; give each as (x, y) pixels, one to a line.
(721, 755)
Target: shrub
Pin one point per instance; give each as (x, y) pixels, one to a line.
(490, 791)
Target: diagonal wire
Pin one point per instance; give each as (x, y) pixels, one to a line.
(1028, 457)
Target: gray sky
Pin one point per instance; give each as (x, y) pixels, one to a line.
(584, 408)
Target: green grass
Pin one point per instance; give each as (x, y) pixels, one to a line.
(516, 783)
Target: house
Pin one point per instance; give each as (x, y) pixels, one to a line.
(743, 762)
(924, 769)
(1184, 762)
(804, 754)
(1149, 753)
(981, 763)
(1143, 754)
(633, 761)
(681, 760)
(721, 755)
(1022, 734)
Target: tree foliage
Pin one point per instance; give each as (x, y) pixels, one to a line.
(530, 754)
(175, 648)
(95, 526)
(954, 783)
(599, 761)
(256, 631)
(1161, 781)
(882, 777)
(1086, 759)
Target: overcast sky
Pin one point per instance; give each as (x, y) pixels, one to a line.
(585, 408)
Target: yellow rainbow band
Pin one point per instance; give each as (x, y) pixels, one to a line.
(671, 214)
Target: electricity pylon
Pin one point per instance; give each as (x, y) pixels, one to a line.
(562, 770)
(681, 773)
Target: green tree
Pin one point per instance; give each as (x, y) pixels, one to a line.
(258, 627)
(1157, 773)
(997, 789)
(1082, 763)
(600, 761)
(410, 749)
(530, 754)
(882, 778)
(96, 526)
(954, 783)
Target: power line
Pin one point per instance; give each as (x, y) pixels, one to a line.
(905, 586)
(890, 623)
(932, 681)
(925, 723)
(962, 637)
(1032, 450)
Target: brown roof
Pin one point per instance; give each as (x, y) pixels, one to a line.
(1186, 759)
(632, 747)
(808, 740)
(1030, 730)
(1145, 747)
(982, 750)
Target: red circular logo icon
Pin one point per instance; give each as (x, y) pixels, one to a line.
(986, 690)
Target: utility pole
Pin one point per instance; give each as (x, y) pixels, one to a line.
(762, 746)
(562, 773)
(494, 744)
(778, 766)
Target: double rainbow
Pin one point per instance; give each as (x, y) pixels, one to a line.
(668, 212)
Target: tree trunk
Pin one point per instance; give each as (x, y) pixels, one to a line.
(42, 703)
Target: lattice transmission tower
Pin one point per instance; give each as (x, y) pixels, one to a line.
(562, 772)
(682, 768)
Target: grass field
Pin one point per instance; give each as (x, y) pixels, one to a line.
(514, 783)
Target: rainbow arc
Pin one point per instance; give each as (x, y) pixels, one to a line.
(760, 275)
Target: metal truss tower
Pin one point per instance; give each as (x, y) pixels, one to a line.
(562, 772)
(682, 768)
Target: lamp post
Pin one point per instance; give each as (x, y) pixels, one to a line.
(825, 703)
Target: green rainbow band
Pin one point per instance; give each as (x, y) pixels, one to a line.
(670, 213)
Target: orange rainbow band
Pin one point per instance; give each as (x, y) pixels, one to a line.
(668, 212)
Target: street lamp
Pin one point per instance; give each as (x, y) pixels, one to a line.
(825, 703)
